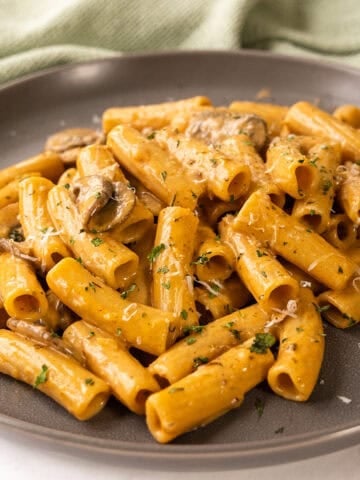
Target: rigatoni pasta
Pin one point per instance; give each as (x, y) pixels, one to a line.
(241, 226)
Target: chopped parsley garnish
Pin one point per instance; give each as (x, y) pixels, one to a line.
(262, 342)
(202, 259)
(199, 361)
(16, 235)
(166, 285)
(321, 309)
(118, 332)
(89, 381)
(325, 187)
(155, 252)
(97, 241)
(259, 405)
(193, 329)
(151, 136)
(213, 161)
(184, 314)
(215, 290)
(163, 269)
(125, 293)
(190, 340)
(91, 286)
(42, 377)
(259, 253)
(164, 175)
(233, 331)
(67, 186)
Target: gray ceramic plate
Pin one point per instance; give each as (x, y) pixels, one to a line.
(33, 108)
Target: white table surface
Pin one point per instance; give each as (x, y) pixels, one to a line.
(25, 458)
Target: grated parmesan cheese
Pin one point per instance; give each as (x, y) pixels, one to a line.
(345, 400)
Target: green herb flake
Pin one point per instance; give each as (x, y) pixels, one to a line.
(340, 269)
(215, 288)
(213, 161)
(262, 342)
(67, 186)
(166, 285)
(233, 331)
(163, 175)
(197, 361)
(202, 259)
(321, 309)
(259, 406)
(155, 252)
(126, 292)
(79, 259)
(313, 162)
(89, 381)
(118, 332)
(325, 187)
(264, 274)
(97, 241)
(193, 329)
(260, 254)
(42, 377)
(98, 195)
(151, 136)
(190, 340)
(16, 235)
(184, 314)
(163, 269)
(299, 329)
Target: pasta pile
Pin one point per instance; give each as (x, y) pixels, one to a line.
(181, 257)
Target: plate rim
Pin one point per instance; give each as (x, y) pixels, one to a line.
(274, 451)
(245, 52)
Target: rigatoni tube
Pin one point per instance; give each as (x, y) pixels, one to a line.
(60, 377)
(89, 297)
(108, 357)
(211, 391)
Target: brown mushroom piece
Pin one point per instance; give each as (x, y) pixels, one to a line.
(19, 249)
(213, 126)
(67, 143)
(42, 335)
(102, 204)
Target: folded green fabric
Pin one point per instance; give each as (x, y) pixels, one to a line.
(38, 34)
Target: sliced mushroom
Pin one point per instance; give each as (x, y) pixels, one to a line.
(103, 204)
(42, 335)
(68, 142)
(18, 249)
(213, 126)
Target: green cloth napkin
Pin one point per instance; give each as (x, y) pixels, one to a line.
(36, 34)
